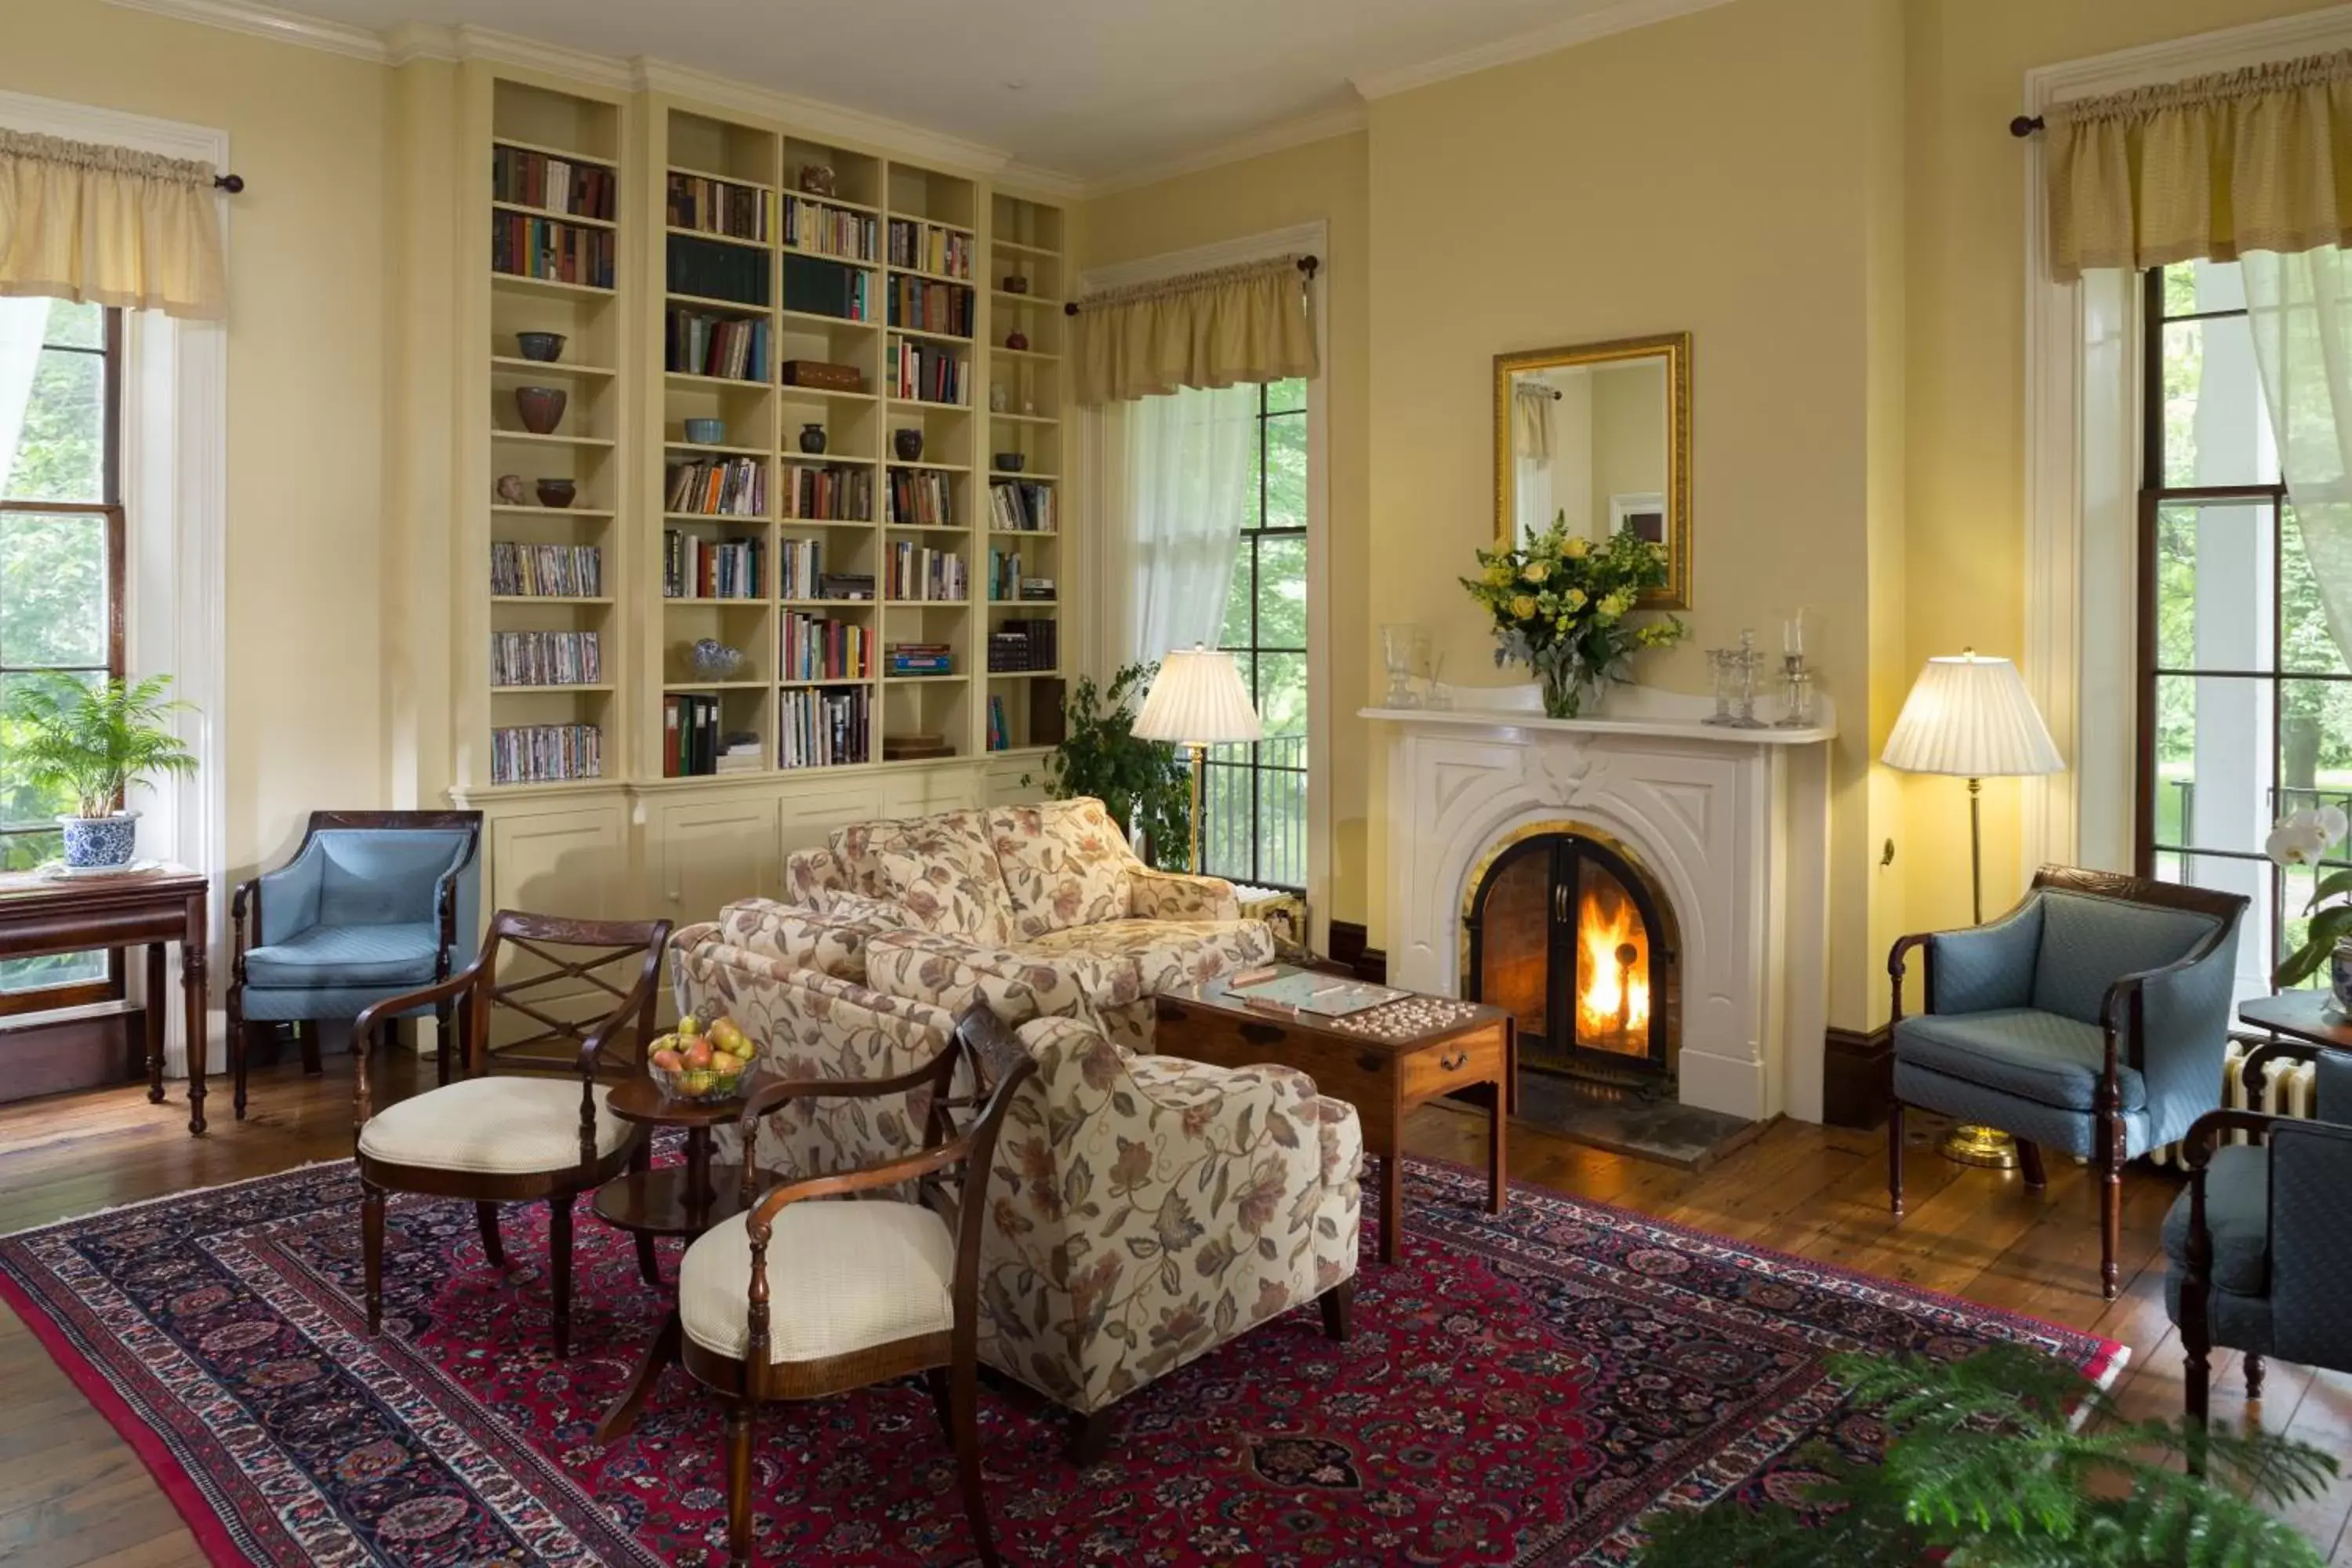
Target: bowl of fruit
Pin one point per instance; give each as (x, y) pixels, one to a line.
(700, 1062)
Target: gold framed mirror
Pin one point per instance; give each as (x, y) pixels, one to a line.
(1598, 434)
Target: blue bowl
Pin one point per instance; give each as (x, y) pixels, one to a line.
(707, 432)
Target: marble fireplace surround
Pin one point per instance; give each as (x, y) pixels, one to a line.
(1733, 826)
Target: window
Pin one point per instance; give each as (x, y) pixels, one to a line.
(1254, 813)
(2245, 702)
(61, 559)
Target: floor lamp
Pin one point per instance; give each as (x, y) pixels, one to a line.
(1197, 700)
(1973, 717)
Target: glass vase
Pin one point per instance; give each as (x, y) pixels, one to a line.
(1568, 691)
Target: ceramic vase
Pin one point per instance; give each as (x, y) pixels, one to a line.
(908, 444)
(541, 408)
(557, 492)
(813, 438)
(93, 842)
(2339, 974)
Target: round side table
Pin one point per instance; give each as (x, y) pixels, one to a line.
(677, 1200)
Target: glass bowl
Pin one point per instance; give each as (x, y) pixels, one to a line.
(697, 1085)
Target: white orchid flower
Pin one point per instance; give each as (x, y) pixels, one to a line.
(2301, 838)
(2333, 822)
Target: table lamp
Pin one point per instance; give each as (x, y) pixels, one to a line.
(1973, 717)
(1197, 700)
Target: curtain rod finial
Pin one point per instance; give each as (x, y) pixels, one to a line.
(2024, 125)
(233, 183)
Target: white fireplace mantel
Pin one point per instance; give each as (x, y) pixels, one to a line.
(1732, 823)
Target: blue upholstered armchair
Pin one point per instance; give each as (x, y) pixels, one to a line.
(2259, 1246)
(374, 903)
(2091, 1019)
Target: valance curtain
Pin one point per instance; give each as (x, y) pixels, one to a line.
(90, 223)
(1247, 323)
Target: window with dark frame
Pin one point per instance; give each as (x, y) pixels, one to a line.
(61, 581)
(1253, 810)
(2244, 700)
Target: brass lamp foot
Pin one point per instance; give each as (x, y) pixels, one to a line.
(1968, 1144)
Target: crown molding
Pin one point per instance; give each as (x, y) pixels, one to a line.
(1278, 137)
(853, 125)
(2203, 54)
(1582, 28)
(267, 22)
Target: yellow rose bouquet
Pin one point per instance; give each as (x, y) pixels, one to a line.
(1560, 604)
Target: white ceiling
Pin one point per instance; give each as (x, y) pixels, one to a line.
(1092, 89)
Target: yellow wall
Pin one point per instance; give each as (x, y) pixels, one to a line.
(306, 366)
(1324, 180)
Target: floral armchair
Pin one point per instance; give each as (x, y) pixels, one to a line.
(1146, 1209)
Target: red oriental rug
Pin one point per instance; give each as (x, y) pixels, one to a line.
(1520, 1390)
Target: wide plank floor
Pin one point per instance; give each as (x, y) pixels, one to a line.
(73, 1494)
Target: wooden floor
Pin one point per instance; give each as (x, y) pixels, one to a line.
(72, 1493)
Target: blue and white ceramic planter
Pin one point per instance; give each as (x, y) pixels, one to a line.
(93, 842)
(2339, 975)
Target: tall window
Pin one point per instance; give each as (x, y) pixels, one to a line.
(1254, 802)
(61, 559)
(2245, 702)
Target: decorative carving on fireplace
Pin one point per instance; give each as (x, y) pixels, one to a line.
(1564, 926)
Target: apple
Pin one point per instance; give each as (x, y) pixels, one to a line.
(669, 1059)
(698, 1055)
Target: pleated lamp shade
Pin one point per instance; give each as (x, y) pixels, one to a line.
(1198, 697)
(1973, 717)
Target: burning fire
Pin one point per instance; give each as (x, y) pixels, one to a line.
(1614, 995)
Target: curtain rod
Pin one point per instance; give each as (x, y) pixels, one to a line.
(1307, 264)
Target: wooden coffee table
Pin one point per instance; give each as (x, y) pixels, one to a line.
(1384, 1062)
(676, 1200)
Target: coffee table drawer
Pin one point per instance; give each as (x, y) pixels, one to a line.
(1449, 1064)
(1341, 1069)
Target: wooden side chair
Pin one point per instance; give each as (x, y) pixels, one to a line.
(539, 1130)
(795, 1299)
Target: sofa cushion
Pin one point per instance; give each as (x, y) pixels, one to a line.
(1066, 863)
(347, 955)
(813, 938)
(492, 1126)
(2089, 944)
(2042, 1057)
(2237, 1215)
(939, 869)
(1167, 953)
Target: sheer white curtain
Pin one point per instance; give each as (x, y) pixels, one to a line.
(22, 323)
(2300, 307)
(1184, 465)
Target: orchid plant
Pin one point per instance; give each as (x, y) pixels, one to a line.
(2302, 838)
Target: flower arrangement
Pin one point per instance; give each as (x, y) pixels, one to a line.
(2302, 838)
(1560, 602)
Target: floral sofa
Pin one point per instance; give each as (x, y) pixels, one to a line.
(1144, 1209)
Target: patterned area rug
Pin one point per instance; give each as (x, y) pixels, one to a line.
(1520, 1390)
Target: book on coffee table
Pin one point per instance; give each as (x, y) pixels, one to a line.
(1292, 990)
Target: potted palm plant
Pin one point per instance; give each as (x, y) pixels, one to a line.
(92, 743)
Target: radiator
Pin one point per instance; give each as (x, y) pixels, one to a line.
(2287, 1091)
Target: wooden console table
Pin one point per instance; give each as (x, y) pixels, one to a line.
(1384, 1062)
(39, 916)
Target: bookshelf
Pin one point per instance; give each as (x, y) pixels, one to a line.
(1025, 571)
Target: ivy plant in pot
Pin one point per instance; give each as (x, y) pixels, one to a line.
(92, 743)
(1142, 783)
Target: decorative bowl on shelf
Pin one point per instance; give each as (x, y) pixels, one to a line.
(1016, 284)
(714, 660)
(694, 1063)
(544, 347)
(557, 492)
(541, 408)
(707, 432)
(1009, 463)
(1017, 341)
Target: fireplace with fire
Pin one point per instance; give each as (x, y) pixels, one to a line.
(1569, 935)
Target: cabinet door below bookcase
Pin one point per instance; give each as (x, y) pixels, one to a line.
(571, 861)
(710, 853)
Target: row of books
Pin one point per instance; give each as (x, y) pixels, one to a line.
(544, 753)
(820, 729)
(801, 563)
(922, 497)
(1006, 584)
(718, 206)
(546, 571)
(828, 229)
(829, 495)
(820, 288)
(711, 271)
(818, 647)
(912, 571)
(727, 346)
(697, 568)
(717, 487)
(693, 744)
(1017, 646)
(549, 248)
(925, 307)
(546, 658)
(930, 248)
(1000, 734)
(922, 659)
(1018, 506)
(551, 185)
(926, 373)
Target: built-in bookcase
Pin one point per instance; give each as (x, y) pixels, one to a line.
(1023, 578)
(558, 214)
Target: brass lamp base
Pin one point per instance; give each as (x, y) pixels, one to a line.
(1990, 1147)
